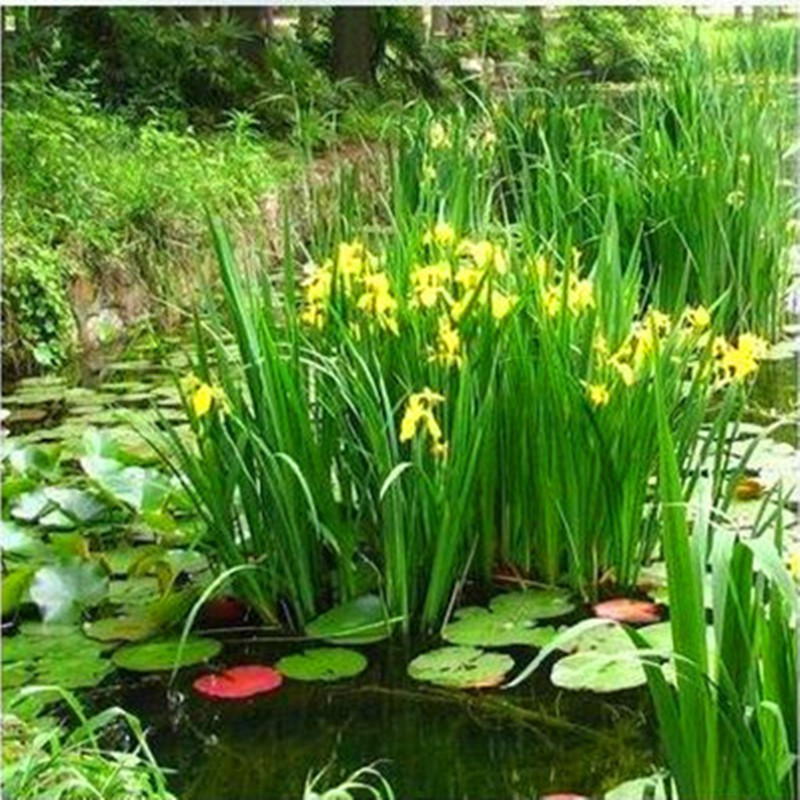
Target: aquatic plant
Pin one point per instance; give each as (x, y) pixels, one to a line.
(42, 758)
(728, 725)
(365, 782)
(406, 408)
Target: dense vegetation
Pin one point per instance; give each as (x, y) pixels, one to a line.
(469, 313)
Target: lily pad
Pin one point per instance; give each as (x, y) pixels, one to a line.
(533, 604)
(598, 672)
(483, 628)
(132, 628)
(322, 664)
(62, 591)
(649, 788)
(239, 683)
(461, 667)
(77, 503)
(30, 506)
(608, 638)
(163, 655)
(360, 621)
(143, 489)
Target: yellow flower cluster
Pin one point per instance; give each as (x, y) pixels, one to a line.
(579, 295)
(448, 344)
(355, 271)
(429, 284)
(735, 363)
(203, 397)
(418, 416)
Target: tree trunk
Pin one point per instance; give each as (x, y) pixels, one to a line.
(440, 20)
(254, 20)
(354, 42)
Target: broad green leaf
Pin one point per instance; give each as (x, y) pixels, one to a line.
(598, 672)
(649, 788)
(322, 664)
(63, 591)
(162, 655)
(132, 628)
(461, 667)
(30, 506)
(359, 621)
(532, 604)
(483, 628)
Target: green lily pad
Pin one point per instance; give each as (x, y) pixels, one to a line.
(30, 506)
(163, 655)
(78, 672)
(57, 520)
(607, 639)
(533, 604)
(132, 628)
(483, 628)
(598, 672)
(143, 489)
(62, 591)
(322, 664)
(649, 788)
(461, 667)
(21, 542)
(77, 503)
(134, 592)
(360, 621)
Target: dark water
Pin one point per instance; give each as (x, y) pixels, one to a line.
(434, 743)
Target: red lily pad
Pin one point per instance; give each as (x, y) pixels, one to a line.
(238, 683)
(623, 609)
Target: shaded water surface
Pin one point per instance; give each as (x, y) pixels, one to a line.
(436, 743)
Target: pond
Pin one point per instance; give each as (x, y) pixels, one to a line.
(433, 743)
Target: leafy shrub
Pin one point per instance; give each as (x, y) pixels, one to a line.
(88, 193)
(614, 43)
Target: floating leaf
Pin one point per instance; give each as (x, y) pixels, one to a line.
(322, 664)
(57, 520)
(143, 489)
(598, 672)
(623, 609)
(533, 604)
(607, 638)
(360, 621)
(239, 683)
(163, 655)
(651, 788)
(63, 591)
(461, 667)
(30, 506)
(20, 542)
(483, 628)
(77, 503)
(132, 628)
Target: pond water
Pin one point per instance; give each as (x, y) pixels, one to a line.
(432, 743)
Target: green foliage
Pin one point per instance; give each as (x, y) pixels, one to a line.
(38, 327)
(728, 726)
(43, 758)
(615, 43)
(87, 194)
